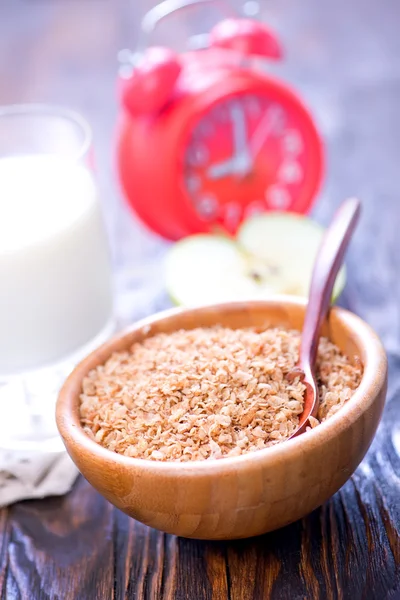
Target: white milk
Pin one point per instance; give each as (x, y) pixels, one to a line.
(55, 290)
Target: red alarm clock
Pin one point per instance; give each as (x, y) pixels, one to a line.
(208, 137)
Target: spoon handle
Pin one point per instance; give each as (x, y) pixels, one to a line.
(329, 260)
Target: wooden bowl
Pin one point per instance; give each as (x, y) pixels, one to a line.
(247, 495)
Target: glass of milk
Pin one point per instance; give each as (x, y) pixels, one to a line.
(55, 271)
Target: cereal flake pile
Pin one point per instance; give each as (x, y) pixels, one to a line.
(208, 393)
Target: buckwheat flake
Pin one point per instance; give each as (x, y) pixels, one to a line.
(208, 393)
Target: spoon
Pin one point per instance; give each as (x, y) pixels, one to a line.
(326, 267)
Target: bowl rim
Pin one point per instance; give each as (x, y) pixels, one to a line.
(372, 382)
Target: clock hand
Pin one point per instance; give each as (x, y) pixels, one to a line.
(241, 161)
(245, 154)
(222, 169)
(240, 142)
(264, 129)
(232, 166)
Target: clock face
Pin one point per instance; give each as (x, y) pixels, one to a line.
(249, 153)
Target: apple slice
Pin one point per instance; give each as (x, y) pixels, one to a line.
(274, 254)
(207, 269)
(287, 244)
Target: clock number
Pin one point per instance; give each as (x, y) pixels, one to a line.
(277, 197)
(292, 142)
(290, 172)
(254, 208)
(277, 119)
(193, 183)
(207, 207)
(232, 215)
(198, 155)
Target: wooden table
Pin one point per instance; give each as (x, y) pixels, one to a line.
(345, 57)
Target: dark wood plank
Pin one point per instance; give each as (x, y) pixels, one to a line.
(344, 57)
(63, 549)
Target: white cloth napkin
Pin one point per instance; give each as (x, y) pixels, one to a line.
(24, 475)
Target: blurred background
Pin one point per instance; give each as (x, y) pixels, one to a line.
(342, 57)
